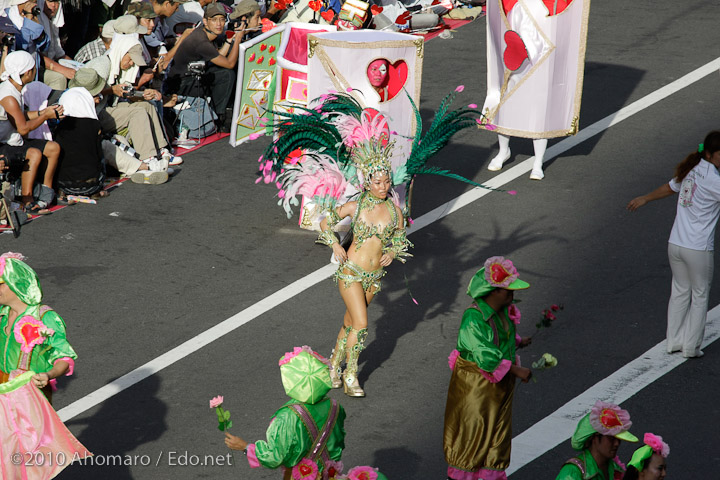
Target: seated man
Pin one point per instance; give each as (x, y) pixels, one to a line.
(56, 75)
(219, 76)
(36, 155)
(98, 46)
(118, 68)
(124, 25)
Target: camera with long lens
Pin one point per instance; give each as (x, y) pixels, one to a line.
(14, 165)
(196, 68)
(35, 11)
(7, 40)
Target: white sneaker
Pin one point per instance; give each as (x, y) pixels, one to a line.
(155, 165)
(148, 177)
(172, 159)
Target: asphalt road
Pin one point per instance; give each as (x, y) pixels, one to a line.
(150, 267)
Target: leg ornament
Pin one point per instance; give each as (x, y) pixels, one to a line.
(338, 355)
(350, 382)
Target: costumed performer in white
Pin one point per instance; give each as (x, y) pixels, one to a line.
(536, 57)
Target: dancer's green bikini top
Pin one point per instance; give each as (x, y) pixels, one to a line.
(362, 231)
(392, 236)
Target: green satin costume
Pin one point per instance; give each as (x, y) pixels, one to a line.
(478, 412)
(288, 440)
(43, 356)
(570, 471)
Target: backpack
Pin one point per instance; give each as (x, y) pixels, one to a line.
(198, 119)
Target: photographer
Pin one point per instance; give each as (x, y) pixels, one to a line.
(199, 46)
(31, 157)
(128, 108)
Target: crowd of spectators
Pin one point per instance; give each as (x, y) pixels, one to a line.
(88, 89)
(92, 88)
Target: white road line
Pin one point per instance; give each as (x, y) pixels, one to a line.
(270, 302)
(618, 387)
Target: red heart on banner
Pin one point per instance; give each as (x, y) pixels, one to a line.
(271, 62)
(260, 60)
(271, 49)
(315, 5)
(508, 5)
(556, 7)
(328, 15)
(403, 18)
(376, 9)
(515, 52)
(251, 57)
(263, 47)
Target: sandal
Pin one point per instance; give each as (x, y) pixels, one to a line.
(99, 195)
(35, 208)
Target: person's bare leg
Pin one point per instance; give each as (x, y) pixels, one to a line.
(504, 153)
(539, 145)
(52, 153)
(33, 158)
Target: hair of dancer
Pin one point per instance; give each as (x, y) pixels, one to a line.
(345, 148)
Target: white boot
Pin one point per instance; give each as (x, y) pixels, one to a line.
(504, 153)
(539, 146)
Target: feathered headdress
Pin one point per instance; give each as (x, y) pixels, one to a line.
(343, 144)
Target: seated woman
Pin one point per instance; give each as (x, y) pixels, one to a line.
(39, 157)
(79, 134)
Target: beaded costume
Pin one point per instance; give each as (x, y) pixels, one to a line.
(335, 147)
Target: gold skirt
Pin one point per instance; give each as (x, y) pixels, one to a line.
(478, 420)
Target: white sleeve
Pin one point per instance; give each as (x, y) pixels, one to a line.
(674, 185)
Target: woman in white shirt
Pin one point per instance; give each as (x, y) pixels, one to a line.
(691, 243)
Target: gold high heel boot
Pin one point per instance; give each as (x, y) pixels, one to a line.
(336, 358)
(351, 386)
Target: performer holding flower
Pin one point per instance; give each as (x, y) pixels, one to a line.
(32, 333)
(306, 435)
(344, 149)
(478, 413)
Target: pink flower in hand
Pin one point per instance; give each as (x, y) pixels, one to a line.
(460, 88)
(216, 402)
(554, 307)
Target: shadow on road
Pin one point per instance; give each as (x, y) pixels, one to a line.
(124, 422)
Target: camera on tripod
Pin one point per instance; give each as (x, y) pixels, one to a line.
(196, 68)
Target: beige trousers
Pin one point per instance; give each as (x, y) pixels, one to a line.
(143, 124)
